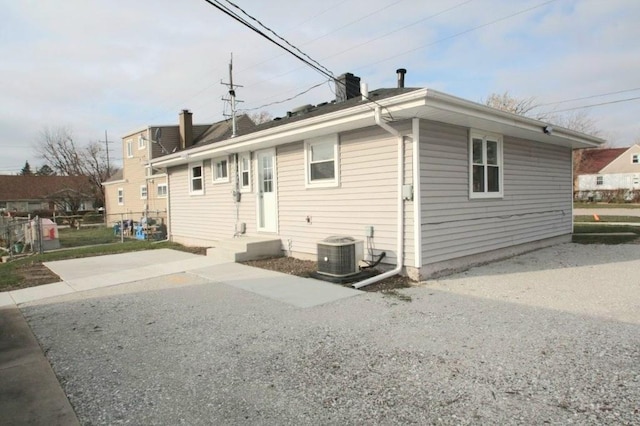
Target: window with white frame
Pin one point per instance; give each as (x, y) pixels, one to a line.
(635, 158)
(140, 142)
(162, 190)
(245, 171)
(129, 148)
(120, 196)
(196, 179)
(220, 170)
(599, 180)
(485, 158)
(321, 162)
(143, 192)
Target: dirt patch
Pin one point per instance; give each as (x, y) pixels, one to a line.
(33, 274)
(304, 268)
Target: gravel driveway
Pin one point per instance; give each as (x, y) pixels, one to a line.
(552, 337)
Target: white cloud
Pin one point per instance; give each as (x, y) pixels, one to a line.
(121, 65)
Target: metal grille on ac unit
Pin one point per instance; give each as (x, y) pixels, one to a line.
(339, 256)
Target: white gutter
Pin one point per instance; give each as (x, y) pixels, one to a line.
(400, 231)
(417, 198)
(290, 132)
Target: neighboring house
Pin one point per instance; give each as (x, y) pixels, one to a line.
(606, 174)
(440, 182)
(37, 194)
(137, 190)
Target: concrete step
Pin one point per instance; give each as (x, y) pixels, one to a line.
(245, 248)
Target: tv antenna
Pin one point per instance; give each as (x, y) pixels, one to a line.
(232, 99)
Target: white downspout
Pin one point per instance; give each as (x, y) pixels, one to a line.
(417, 197)
(400, 231)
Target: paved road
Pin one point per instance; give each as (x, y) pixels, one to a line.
(548, 337)
(607, 212)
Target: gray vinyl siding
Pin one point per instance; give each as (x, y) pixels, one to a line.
(204, 219)
(536, 203)
(366, 196)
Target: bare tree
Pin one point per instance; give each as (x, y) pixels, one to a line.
(579, 121)
(71, 197)
(506, 102)
(260, 117)
(58, 149)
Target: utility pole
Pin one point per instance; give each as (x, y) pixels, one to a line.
(106, 145)
(232, 99)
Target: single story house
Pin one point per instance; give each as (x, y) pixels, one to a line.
(34, 194)
(435, 181)
(609, 173)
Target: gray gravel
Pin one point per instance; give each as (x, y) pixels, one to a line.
(205, 353)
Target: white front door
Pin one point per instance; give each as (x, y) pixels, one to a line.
(267, 202)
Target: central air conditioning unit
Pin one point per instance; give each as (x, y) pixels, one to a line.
(339, 256)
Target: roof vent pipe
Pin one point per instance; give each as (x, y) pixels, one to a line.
(364, 90)
(401, 72)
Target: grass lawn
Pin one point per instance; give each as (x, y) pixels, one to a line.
(579, 229)
(71, 237)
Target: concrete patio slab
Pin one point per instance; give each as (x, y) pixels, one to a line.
(72, 269)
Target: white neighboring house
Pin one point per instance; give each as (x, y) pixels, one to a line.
(604, 173)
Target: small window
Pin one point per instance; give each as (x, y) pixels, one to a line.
(321, 162)
(196, 179)
(599, 180)
(140, 142)
(120, 196)
(129, 148)
(485, 158)
(245, 172)
(143, 192)
(635, 158)
(162, 190)
(220, 170)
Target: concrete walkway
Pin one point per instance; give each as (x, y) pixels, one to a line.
(29, 390)
(104, 271)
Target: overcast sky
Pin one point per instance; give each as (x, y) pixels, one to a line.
(96, 65)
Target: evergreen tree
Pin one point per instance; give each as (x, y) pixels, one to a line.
(45, 171)
(26, 170)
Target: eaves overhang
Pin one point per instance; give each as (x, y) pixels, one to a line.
(425, 104)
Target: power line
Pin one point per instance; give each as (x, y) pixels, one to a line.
(234, 16)
(588, 97)
(317, 38)
(595, 105)
(280, 37)
(288, 99)
(401, 28)
(495, 21)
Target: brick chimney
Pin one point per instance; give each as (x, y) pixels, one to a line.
(186, 129)
(347, 87)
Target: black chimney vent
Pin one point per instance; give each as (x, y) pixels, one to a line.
(401, 72)
(347, 87)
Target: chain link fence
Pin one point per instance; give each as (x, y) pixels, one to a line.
(26, 235)
(22, 236)
(149, 225)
